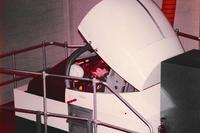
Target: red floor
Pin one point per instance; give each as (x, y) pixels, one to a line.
(7, 119)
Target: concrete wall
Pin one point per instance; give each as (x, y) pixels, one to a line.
(187, 20)
(26, 23)
(78, 9)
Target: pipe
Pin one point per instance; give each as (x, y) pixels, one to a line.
(94, 81)
(130, 107)
(14, 67)
(19, 72)
(32, 73)
(115, 127)
(44, 55)
(39, 113)
(65, 49)
(187, 35)
(38, 122)
(44, 75)
(39, 46)
(68, 22)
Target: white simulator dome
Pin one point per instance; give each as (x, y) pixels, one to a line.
(132, 37)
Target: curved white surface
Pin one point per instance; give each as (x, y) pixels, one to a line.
(132, 37)
(111, 110)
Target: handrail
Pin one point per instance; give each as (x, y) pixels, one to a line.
(40, 46)
(49, 114)
(130, 107)
(22, 76)
(187, 35)
(13, 80)
(115, 127)
(19, 72)
(83, 79)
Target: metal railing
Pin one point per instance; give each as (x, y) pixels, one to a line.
(40, 113)
(94, 121)
(27, 74)
(187, 35)
(42, 46)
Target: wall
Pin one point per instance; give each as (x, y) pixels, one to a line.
(78, 9)
(158, 2)
(26, 23)
(187, 20)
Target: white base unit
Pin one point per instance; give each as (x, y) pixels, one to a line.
(109, 108)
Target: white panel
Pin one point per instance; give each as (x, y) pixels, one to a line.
(147, 103)
(115, 22)
(111, 110)
(122, 30)
(29, 101)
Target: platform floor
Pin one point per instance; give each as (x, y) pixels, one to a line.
(7, 119)
(11, 124)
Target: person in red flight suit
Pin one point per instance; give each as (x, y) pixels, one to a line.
(94, 67)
